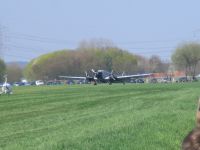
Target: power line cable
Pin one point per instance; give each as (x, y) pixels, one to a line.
(16, 56)
(55, 40)
(38, 38)
(52, 40)
(32, 50)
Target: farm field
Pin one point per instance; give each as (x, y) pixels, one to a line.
(102, 117)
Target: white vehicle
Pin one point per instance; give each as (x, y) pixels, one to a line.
(6, 87)
(39, 82)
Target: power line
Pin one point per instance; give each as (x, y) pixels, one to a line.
(134, 50)
(152, 47)
(55, 40)
(140, 52)
(27, 49)
(32, 50)
(38, 38)
(16, 56)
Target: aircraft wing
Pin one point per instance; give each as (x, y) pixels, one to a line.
(133, 76)
(73, 77)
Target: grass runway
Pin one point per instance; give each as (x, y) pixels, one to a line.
(102, 117)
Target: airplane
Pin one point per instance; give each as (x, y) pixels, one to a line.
(6, 87)
(102, 76)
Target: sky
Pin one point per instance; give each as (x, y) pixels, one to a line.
(29, 28)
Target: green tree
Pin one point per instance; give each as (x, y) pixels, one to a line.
(186, 57)
(76, 62)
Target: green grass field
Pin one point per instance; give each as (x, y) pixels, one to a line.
(103, 117)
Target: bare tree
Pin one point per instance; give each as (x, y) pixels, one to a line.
(2, 69)
(2, 64)
(187, 57)
(157, 65)
(96, 44)
(14, 72)
(143, 65)
(1, 41)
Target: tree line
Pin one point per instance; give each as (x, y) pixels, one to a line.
(101, 55)
(77, 62)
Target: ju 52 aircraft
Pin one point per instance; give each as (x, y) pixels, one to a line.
(102, 76)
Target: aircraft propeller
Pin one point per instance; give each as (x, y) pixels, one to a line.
(111, 75)
(93, 71)
(86, 74)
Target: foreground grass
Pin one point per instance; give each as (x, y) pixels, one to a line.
(86, 117)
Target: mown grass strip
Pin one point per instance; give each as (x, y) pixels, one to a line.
(146, 116)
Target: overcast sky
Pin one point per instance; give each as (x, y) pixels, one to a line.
(34, 27)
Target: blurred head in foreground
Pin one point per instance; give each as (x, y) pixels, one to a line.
(192, 140)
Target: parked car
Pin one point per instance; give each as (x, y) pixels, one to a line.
(165, 80)
(70, 82)
(18, 83)
(139, 81)
(183, 79)
(195, 79)
(39, 82)
(53, 83)
(32, 83)
(80, 82)
(154, 80)
(133, 81)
